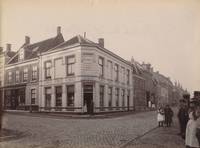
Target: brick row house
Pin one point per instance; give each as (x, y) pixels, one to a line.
(58, 75)
(22, 74)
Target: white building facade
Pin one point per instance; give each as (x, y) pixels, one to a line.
(82, 76)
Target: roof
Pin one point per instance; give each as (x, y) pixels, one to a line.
(75, 40)
(32, 50)
(79, 40)
(161, 78)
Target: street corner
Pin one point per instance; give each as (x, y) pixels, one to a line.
(7, 135)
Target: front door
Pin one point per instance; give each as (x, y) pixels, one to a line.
(88, 98)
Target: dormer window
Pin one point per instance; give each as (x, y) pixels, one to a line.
(21, 55)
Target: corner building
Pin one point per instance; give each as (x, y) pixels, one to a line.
(82, 76)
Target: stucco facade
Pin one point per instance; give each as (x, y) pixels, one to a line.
(94, 85)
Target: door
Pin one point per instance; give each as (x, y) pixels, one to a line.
(88, 98)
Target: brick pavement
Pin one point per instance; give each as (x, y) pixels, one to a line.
(163, 137)
(78, 133)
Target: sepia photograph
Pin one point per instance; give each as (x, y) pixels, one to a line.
(99, 73)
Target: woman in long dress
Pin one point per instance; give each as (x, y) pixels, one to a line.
(191, 140)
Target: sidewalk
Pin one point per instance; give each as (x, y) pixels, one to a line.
(73, 115)
(161, 137)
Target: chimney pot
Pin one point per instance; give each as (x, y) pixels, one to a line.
(8, 47)
(101, 42)
(27, 40)
(58, 30)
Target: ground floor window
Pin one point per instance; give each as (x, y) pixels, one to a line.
(48, 97)
(58, 95)
(33, 96)
(123, 98)
(117, 96)
(101, 97)
(110, 97)
(70, 95)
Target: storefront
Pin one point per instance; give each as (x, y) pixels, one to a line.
(15, 97)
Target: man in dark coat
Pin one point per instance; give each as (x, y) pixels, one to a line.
(183, 117)
(168, 115)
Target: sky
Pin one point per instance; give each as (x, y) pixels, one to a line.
(165, 33)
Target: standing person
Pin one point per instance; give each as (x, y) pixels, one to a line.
(168, 115)
(198, 123)
(183, 117)
(160, 117)
(191, 140)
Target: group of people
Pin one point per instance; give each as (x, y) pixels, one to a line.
(189, 120)
(164, 116)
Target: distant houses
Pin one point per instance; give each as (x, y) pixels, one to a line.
(79, 75)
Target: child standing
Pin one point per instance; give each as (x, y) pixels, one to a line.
(160, 117)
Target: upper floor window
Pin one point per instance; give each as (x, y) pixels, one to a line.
(109, 70)
(17, 76)
(48, 70)
(116, 69)
(123, 75)
(70, 65)
(128, 76)
(9, 77)
(21, 55)
(25, 74)
(34, 72)
(101, 66)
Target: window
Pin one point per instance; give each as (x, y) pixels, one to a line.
(117, 96)
(9, 77)
(48, 97)
(128, 76)
(17, 76)
(48, 70)
(70, 65)
(58, 95)
(109, 70)
(101, 99)
(116, 74)
(123, 75)
(123, 98)
(21, 55)
(101, 66)
(110, 96)
(34, 72)
(70, 95)
(59, 68)
(33, 96)
(25, 74)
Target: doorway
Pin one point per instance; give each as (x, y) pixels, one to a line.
(88, 98)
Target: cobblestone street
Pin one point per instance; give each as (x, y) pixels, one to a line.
(80, 133)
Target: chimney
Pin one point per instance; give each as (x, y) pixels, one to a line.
(27, 40)
(8, 47)
(1, 50)
(84, 34)
(58, 30)
(101, 42)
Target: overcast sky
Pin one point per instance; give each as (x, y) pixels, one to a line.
(165, 33)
